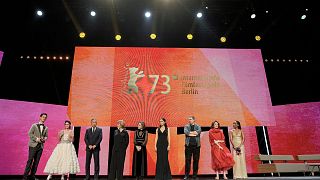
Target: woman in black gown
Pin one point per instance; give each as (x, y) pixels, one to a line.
(121, 141)
(139, 163)
(162, 146)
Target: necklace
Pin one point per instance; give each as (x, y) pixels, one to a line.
(140, 133)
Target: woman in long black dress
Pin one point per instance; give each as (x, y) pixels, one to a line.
(121, 141)
(139, 164)
(162, 146)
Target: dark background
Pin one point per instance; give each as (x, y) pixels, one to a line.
(284, 36)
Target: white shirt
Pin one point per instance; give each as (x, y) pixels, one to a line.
(41, 128)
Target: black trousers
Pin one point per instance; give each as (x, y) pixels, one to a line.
(96, 158)
(33, 160)
(192, 151)
(117, 165)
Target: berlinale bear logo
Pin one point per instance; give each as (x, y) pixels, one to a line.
(134, 76)
(132, 86)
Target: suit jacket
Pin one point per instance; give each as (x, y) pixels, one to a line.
(187, 130)
(91, 138)
(35, 133)
(120, 140)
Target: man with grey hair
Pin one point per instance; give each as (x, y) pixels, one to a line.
(93, 138)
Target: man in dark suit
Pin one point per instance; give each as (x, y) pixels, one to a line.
(93, 138)
(38, 134)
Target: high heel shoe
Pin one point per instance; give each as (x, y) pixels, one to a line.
(49, 177)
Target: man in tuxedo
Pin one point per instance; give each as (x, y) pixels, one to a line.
(38, 134)
(93, 138)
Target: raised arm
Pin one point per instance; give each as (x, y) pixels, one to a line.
(45, 136)
(186, 130)
(71, 135)
(222, 137)
(198, 130)
(60, 134)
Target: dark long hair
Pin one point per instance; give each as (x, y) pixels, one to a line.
(239, 125)
(67, 121)
(212, 124)
(165, 123)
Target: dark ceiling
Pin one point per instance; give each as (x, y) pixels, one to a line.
(284, 36)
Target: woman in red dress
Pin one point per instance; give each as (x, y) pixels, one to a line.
(222, 159)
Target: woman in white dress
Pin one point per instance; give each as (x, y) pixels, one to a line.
(63, 159)
(237, 140)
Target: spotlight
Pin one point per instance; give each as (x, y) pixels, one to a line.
(267, 12)
(67, 57)
(41, 57)
(189, 36)
(82, 35)
(206, 7)
(223, 39)
(303, 16)
(28, 57)
(307, 9)
(21, 57)
(258, 38)
(48, 57)
(34, 57)
(118, 37)
(92, 13)
(253, 16)
(54, 57)
(39, 13)
(60, 57)
(147, 14)
(153, 36)
(199, 15)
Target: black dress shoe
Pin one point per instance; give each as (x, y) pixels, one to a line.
(33, 178)
(186, 177)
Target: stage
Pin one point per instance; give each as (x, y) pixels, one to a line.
(175, 178)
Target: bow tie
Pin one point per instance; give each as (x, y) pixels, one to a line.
(41, 124)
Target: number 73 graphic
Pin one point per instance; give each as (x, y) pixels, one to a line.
(155, 82)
